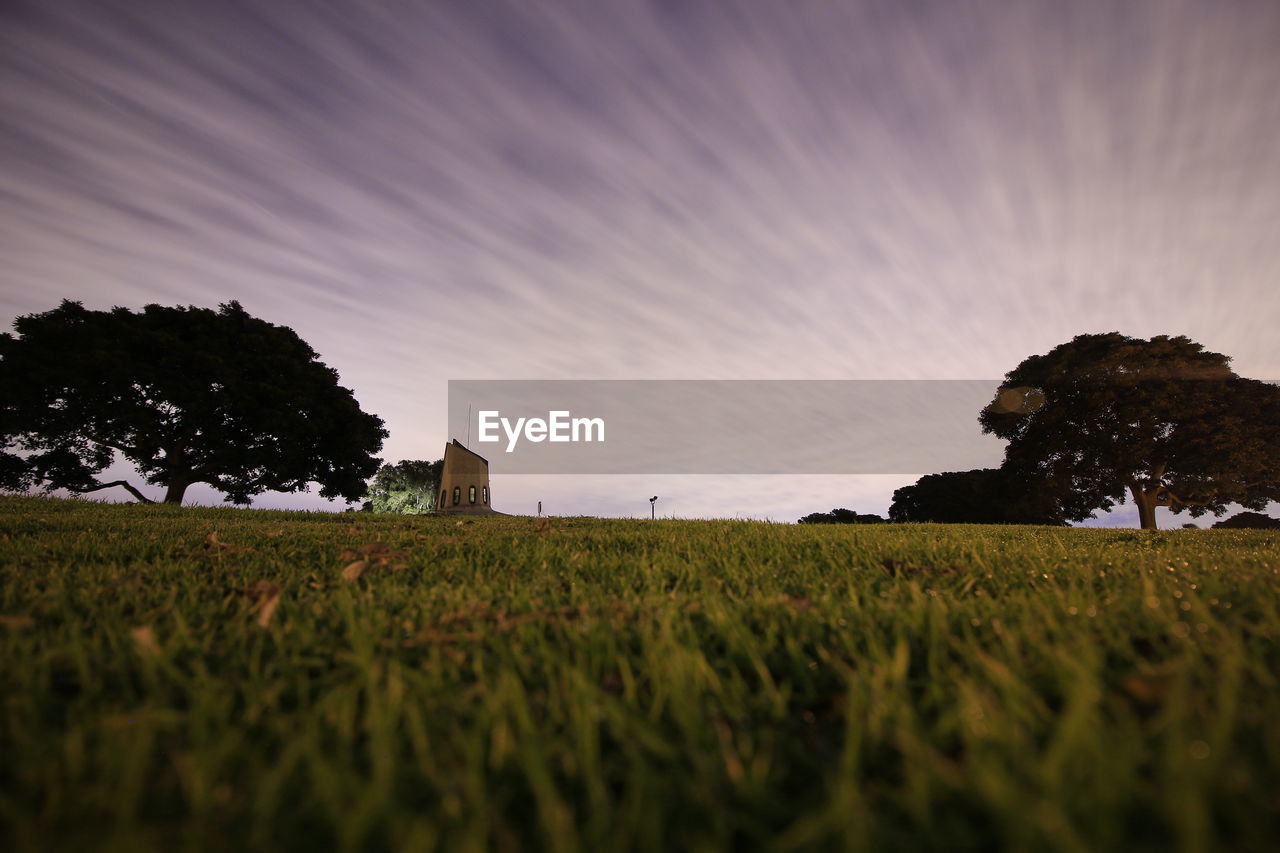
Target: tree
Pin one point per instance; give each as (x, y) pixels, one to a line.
(981, 496)
(410, 487)
(840, 516)
(188, 395)
(1162, 420)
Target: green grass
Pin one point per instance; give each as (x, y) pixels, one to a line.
(580, 684)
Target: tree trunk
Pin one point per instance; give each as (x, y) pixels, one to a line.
(180, 474)
(1146, 502)
(177, 488)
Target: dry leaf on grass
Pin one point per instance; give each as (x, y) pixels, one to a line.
(268, 598)
(372, 549)
(1149, 690)
(373, 557)
(145, 639)
(216, 546)
(903, 569)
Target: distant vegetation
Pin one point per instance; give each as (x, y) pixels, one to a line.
(840, 516)
(409, 487)
(1249, 521)
(191, 395)
(207, 679)
(981, 496)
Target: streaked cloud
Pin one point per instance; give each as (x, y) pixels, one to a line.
(428, 191)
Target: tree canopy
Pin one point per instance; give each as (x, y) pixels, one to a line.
(980, 496)
(1162, 421)
(187, 394)
(409, 487)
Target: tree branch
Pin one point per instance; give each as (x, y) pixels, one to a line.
(1196, 500)
(122, 483)
(123, 448)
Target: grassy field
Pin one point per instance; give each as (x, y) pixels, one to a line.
(208, 678)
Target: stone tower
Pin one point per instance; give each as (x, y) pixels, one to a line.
(464, 482)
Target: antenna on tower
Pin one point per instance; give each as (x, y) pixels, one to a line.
(468, 426)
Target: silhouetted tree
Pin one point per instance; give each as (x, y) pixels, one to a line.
(188, 395)
(1248, 521)
(409, 487)
(840, 516)
(1162, 420)
(980, 496)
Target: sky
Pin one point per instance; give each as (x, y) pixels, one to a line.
(616, 189)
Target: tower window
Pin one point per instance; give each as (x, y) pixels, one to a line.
(442, 497)
(484, 495)
(457, 495)
(471, 495)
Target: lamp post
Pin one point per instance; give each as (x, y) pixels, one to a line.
(653, 507)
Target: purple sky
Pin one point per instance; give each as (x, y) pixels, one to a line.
(616, 189)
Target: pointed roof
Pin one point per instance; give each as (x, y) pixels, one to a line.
(465, 449)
